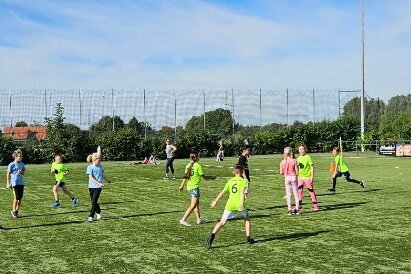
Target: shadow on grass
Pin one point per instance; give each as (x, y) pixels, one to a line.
(286, 237)
(59, 213)
(85, 221)
(336, 207)
(347, 192)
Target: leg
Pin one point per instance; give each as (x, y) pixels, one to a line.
(197, 210)
(171, 166)
(350, 180)
(68, 193)
(247, 227)
(219, 225)
(310, 188)
(338, 174)
(295, 193)
(167, 166)
(300, 191)
(193, 205)
(55, 192)
(288, 193)
(94, 195)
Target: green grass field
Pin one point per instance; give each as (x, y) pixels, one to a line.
(357, 231)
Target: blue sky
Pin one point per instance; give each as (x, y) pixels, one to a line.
(209, 44)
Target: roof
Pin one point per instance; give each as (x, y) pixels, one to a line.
(22, 133)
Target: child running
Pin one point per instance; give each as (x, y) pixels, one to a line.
(14, 179)
(237, 202)
(96, 175)
(192, 176)
(60, 172)
(306, 177)
(342, 169)
(289, 168)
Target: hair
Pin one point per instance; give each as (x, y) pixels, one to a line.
(303, 145)
(336, 149)
(238, 169)
(288, 152)
(92, 157)
(244, 148)
(58, 155)
(193, 157)
(17, 153)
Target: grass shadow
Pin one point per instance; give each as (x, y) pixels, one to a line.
(337, 207)
(287, 237)
(59, 213)
(347, 192)
(85, 221)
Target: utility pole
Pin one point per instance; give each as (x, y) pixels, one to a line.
(362, 76)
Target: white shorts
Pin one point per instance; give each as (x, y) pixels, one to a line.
(228, 214)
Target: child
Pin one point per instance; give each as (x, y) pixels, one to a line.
(237, 202)
(342, 169)
(306, 177)
(289, 168)
(96, 175)
(15, 172)
(60, 172)
(220, 154)
(153, 160)
(243, 162)
(193, 175)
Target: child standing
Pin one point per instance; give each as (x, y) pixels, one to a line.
(243, 162)
(342, 169)
(60, 172)
(14, 179)
(306, 176)
(96, 175)
(193, 175)
(289, 168)
(237, 202)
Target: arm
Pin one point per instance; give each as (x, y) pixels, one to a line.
(281, 169)
(207, 177)
(243, 199)
(174, 148)
(22, 171)
(105, 178)
(215, 201)
(8, 180)
(91, 178)
(183, 182)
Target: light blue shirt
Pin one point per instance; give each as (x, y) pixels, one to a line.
(16, 179)
(97, 172)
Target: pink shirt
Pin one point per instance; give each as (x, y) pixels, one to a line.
(288, 166)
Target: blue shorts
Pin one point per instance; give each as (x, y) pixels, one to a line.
(194, 193)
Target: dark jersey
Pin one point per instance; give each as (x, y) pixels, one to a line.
(243, 161)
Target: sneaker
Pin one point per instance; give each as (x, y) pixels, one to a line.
(55, 204)
(98, 216)
(173, 178)
(14, 214)
(332, 189)
(166, 178)
(316, 207)
(185, 223)
(250, 240)
(362, 184)
(201, 221)
(90, 219)
(290, 212)
(209, 241)
(74, 202)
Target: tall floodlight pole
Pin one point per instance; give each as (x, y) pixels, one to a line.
(362, 75)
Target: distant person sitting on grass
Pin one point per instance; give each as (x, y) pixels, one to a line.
(143, 162)
(153, 160)
(237, 202)
(341, 169)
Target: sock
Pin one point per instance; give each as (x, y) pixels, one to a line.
(73, 198)
(57, 201)
(212, 236)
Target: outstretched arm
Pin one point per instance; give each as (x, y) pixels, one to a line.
(215, 201)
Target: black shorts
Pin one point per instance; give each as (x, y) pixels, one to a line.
(18, 192)
(60, 184)
(346, 174)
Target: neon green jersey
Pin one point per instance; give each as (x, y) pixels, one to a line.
(304, 166)
(339, 162)
(235, 186)
(61, 168)
(195, 176)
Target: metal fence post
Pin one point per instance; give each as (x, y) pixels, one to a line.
(288, 124)
(79, 97)
(261, 114)
(204, 110)
(314, 105)
(232, 102)
(175, 116)
(112, 105)
(144, 114)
